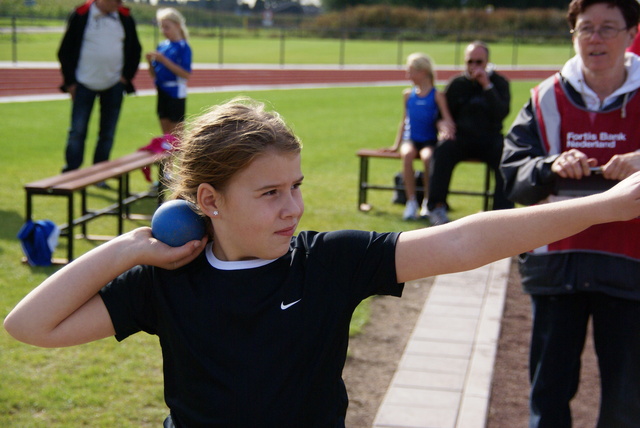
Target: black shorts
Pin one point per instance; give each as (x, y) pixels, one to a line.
(170, 108)
(419, 145)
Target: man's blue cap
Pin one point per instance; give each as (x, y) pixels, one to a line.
(39, 239)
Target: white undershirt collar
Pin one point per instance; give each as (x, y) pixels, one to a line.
(235, 265)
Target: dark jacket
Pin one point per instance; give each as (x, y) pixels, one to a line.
(69, 52)
(478, 114)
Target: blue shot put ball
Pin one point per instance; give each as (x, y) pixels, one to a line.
(175, 223)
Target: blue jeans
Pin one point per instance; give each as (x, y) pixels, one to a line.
(558, 337)
(110, 103)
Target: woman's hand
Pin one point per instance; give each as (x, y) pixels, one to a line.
(573, 164)
(620, 167)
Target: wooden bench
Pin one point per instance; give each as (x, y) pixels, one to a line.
(70, 183)
(364, 185)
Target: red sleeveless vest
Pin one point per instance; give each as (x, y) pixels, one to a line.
(602, 134)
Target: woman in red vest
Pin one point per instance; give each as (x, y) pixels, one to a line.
(577, 135)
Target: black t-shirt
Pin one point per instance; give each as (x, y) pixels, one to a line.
(263, 345)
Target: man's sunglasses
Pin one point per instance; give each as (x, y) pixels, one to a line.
(475, 61)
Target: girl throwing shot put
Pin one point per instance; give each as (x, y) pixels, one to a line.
(253, 319)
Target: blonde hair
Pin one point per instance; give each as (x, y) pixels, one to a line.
(225, 140)
(171, 14)
(422, 62)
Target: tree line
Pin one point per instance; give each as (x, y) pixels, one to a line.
(447, 4)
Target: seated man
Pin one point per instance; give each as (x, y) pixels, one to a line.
(479, 101)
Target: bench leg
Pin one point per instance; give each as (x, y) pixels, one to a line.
(362, 185)
(127, 193)
(487, 187)
(70, 235)
(84, 210)
(121, 197)
(161, 186)
(29, 207)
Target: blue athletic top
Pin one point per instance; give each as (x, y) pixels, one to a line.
(422, 114)
(180, 53)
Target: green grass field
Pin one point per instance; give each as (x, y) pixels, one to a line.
(243, 47)
(106, 384)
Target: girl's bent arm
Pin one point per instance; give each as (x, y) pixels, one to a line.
(173, 67)
(152, 71)
(482, 238)
(66, 309)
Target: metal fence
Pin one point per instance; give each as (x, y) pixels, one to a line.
(11, 27)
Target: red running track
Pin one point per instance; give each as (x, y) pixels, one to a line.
(40, 81)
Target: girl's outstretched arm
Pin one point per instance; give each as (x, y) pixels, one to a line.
(66, 309)
(482, 238)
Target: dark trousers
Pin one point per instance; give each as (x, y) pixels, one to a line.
(558, 337)
(450, 152)
(110, 103)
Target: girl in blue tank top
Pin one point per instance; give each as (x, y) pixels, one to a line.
(425, 114)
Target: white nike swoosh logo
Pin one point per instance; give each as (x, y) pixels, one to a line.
(288, 305)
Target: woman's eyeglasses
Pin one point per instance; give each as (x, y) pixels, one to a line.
(605, 32)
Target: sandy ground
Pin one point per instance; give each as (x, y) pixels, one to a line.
(375, 353)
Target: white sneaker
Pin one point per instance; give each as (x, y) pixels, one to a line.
(438, 216)
(424, 210)
(410, 210)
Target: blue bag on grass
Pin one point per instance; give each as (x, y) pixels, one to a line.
(39, 239)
